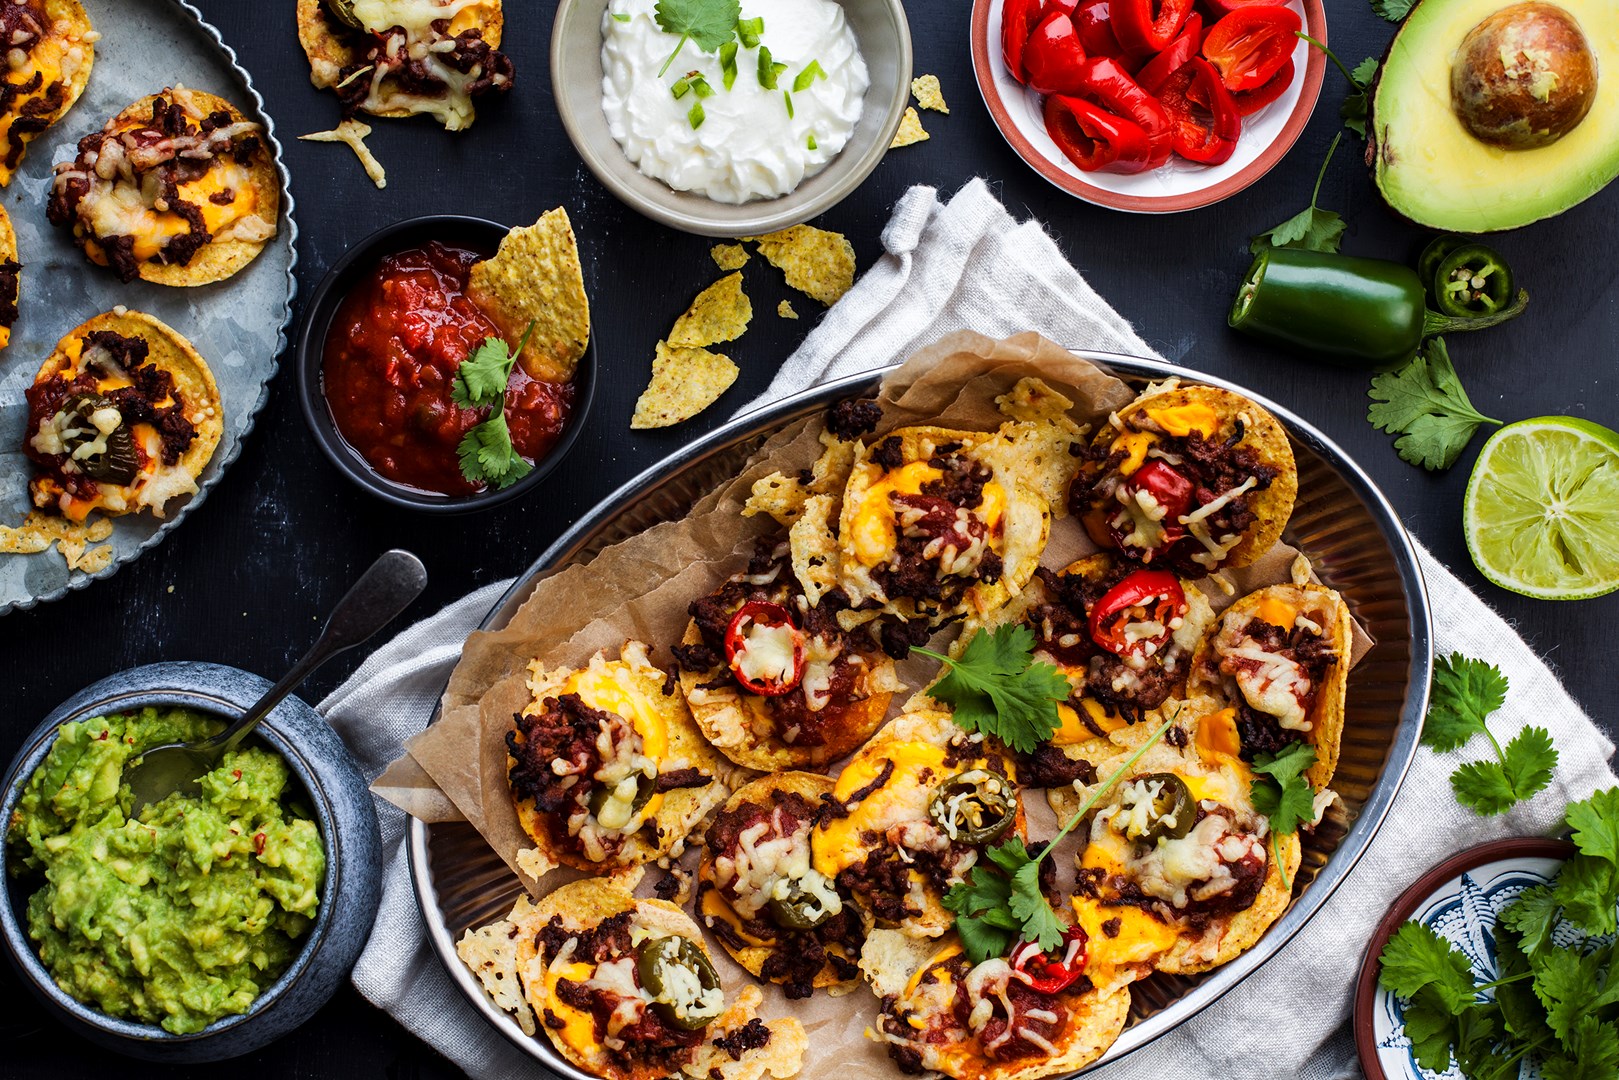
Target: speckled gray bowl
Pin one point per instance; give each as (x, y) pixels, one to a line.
(884, 37)
(342, 808)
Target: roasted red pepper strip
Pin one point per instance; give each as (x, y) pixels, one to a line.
(1252, 44)
(1092, 18)
(1093, 138)
(1105, 82)
(1056, 971)
(1251, 101)
(1018, 18)
(1221, 8)
(764, 648)
(1054, 56)
(1190, 93)
(1180, 52)
(1148, 25)
(1142, 599)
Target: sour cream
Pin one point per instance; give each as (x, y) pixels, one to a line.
(749, 144)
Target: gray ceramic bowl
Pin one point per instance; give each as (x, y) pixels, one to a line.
(342, 808)
(576, 81)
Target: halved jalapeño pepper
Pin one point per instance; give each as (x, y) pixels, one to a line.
(97, 440)
(1158, 806)
(803, 903)
(684, 986)
(343, 12)
(1472, 282)
(616, 806)
(973, 807)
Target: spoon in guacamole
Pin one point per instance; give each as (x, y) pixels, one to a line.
(383, 591)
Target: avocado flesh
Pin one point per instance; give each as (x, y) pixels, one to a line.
(1432, 170)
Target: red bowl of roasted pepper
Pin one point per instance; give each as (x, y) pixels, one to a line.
(1153, 106)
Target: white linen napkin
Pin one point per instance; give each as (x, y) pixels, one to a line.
(967, 264)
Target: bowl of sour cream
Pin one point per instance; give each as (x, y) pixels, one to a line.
(731, 133)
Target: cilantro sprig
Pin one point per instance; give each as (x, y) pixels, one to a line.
(1312, 229)
(1356, 105)
(1280, 792)
(996, 687)
(708, 23)
(1393, 10)
(1556, 1005)
(1425, 404)
(1466, 692)
(1001, 904)
(486, 452)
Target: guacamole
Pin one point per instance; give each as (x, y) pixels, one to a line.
(185, 914)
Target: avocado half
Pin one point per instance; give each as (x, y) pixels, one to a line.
(1431, 169)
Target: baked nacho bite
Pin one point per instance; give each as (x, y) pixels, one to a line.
(607, 770)
(1192, 477)
(50, 48)
(10, 273)
(122, 417)
(762, 898)
(178, 189)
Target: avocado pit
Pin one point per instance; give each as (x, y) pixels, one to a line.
(1524, 77)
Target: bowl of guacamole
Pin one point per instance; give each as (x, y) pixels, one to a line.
(209, 923)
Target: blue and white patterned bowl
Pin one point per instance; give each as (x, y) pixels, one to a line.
(342, 808)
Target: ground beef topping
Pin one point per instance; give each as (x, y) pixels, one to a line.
(426, 71)
(853, 417)
(750, 1036)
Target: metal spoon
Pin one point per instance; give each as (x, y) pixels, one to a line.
(386, 589)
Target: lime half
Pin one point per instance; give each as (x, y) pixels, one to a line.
(1541, 512)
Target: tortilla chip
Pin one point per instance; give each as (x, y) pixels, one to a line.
(928, 93)
(352, 133)
(68, 46)
(818, 263)
(721, 312)
(536, 277)
(910, 130)
(785, 310)
(684, 383)
(1226, 939)
(729, 256)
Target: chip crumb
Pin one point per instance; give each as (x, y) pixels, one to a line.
(785, 310)
(685, 381)
(720, 312)
(910, 130)
(535, 276)
(352, 134)
(929, 94)
(729, 256)
(816, 262)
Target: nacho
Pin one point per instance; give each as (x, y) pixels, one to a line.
(122, 417)
(50, 51)
(179, 189)
(1192, 477)
(394, 58)
(759, 895)
(818, 263)
(684, 383)
(10, 275)
(928, 93)
(720, 312)
(620, 764)
(535, 278)
(910, 130)
(729, 256)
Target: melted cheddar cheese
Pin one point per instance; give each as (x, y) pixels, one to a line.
(1140, 939)
(578, 1026)
(714, 906)
(874, 521)
(1135, 445)
(614, 688)
(1184, 419)
(836, 843)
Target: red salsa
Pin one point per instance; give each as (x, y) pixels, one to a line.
(390, 360)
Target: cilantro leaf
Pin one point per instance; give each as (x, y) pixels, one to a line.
(1365, 72)
(996, 688)
(1417, 958)
(1596, 825)
(1432, 1030)
(1534, 916)
(1483, 787)
(1465, 692)
(1284, 796)
(1522, 1014)
(1424, 403)
(488, 456)
(1587, 888)
(709, 23)
(1494, 787)
(1028, 904)
(1593, 1053)
(481, 378)
(1393, 10)
(1355, 105)
(982, 939)
(1312, 229)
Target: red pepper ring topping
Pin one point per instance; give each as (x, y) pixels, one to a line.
(1251, 101)
(1157, 71)
(1251, 44)
(1018, 18)
(1138, 615)
(1193, 92)
(1106, 82)
(1054, 55)
(764, 648)
(1154, 498)
(1053, 972)
(1094, 139)
(1140, 30)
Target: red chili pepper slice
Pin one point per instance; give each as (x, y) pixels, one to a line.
(1148, 25)
(1018, 18)
(1186, 45)
(1053, 55)
(1146, 596)
(1056, 971)
(1251, 101)
(1093, 138)
(1192, 93)
(1106, 82)
(1251, 44)
(1170, 490)
(754, 649)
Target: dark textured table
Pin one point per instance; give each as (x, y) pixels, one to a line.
(248, 577)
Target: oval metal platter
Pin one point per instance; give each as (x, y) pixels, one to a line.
(238, 325)
(1341, 520)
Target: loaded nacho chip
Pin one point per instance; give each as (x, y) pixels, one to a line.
(535, 279)
(50, 48)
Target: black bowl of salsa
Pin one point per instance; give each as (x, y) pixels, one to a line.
(381, 339)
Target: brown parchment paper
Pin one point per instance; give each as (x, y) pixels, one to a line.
(640, 588)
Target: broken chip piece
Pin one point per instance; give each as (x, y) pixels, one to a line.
(910, 130)
(536, 278)
(729, 256)
(929, 94)
(785, 310)
(720, 312)
(816, 262)
(684, 382)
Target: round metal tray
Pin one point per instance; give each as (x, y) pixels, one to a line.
(1340, 520)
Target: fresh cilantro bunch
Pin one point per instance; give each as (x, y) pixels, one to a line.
(1312, 229)
(1557, 1006)
(1466, 692)
(996, 687)
(486, 452)
(1425, 404)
